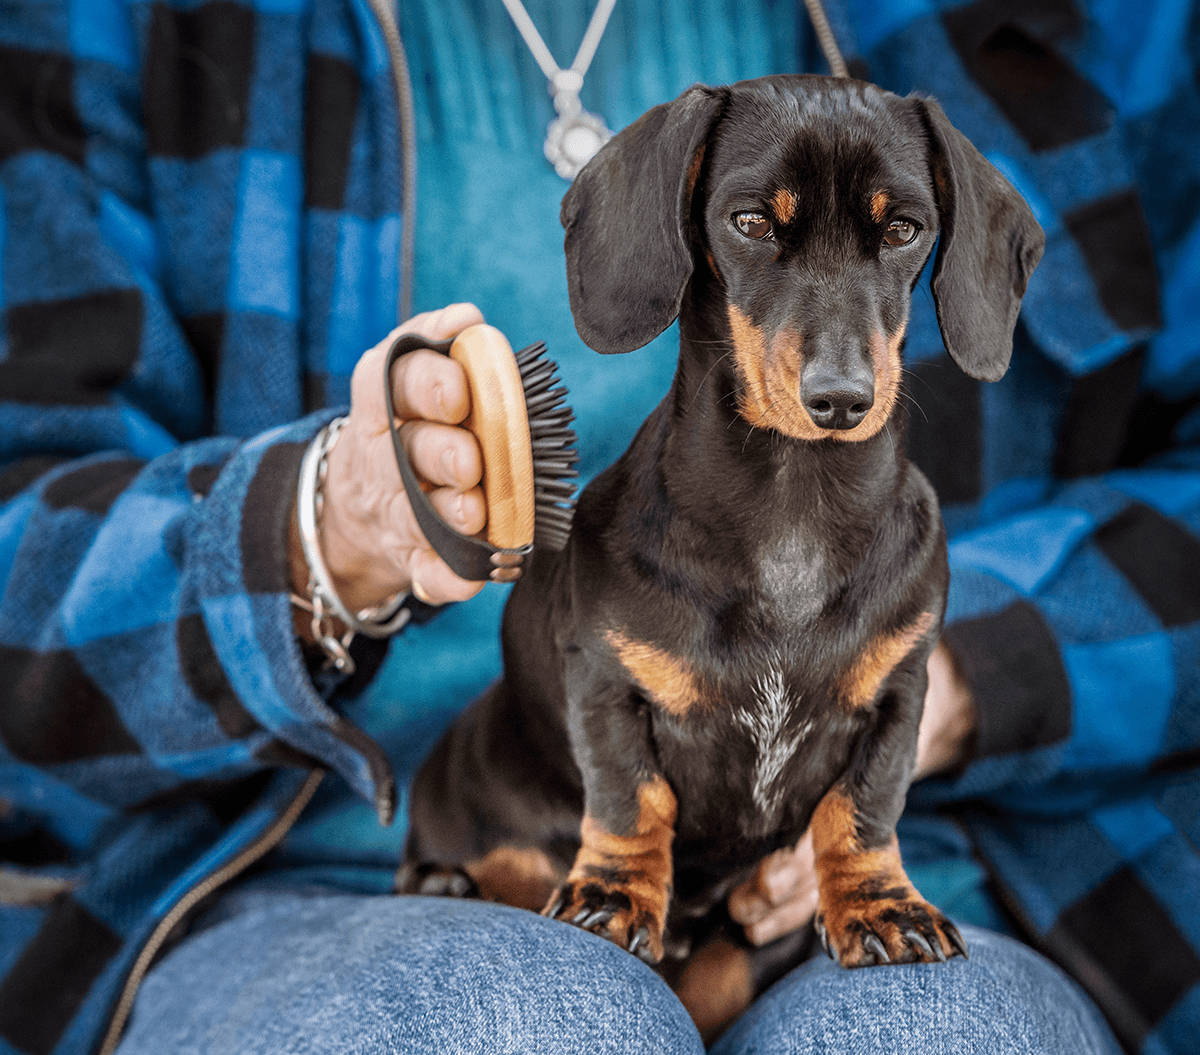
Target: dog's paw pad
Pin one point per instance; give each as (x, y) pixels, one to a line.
(434, 880)
(611, 912)
(905, 930)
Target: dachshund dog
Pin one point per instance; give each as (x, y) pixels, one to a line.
(732, 646)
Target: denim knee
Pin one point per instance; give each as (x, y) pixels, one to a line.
(341, 973)
(1005, 1000)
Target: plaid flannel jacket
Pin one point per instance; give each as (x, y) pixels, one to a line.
(199, 228)
(200, 210)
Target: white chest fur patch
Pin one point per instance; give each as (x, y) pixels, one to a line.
(775, 743)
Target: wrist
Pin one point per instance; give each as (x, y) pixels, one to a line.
(357, 528)
(332, 624)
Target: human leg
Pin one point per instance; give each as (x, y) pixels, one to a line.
(297, 973)
(1005, 1000)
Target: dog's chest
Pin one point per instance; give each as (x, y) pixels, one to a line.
(755, 754)
(776, 726)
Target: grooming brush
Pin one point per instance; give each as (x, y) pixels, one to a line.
(521, 419)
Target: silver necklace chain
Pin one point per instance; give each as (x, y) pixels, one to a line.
(576, 134)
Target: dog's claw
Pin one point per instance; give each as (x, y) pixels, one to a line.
(555, 907)
(587, 920)
(919, 940)
(433, 880)
(956, 939)
(873, 945)
(639, 945)
(823, 934)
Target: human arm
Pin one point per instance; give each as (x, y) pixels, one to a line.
(169, 329)
(147, 609)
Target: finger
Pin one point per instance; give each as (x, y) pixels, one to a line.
(430, 386)
(790, 917)
(443, 455)
(434, 583)
(426, 384)
(746, 906)
(464, 511)
(780, 882)
(788, 874)
(448, 400)
(440, 324)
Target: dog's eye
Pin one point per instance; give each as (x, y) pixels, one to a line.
(900, 232)
(753, 224)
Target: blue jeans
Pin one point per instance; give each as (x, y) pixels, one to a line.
(288, 972)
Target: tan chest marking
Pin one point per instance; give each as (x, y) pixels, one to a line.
(664, 678)
(860, 684)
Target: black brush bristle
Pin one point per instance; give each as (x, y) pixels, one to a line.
(553, 442)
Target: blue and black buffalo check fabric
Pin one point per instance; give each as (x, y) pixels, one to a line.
(200, 217)
(199, 231)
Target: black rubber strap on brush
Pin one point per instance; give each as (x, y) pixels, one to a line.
(471, 558)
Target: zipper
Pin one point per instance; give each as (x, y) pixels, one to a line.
(265, 842)
(386, 18)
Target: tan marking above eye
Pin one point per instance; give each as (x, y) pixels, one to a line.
(880, 201)
(784, 202)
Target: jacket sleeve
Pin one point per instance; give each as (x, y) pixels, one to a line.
(146, 636)
(1077, 623)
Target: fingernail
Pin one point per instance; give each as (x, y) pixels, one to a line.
(765, 932)
(450, 463)
(418, 591)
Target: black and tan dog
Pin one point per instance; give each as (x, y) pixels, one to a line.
(732, 646)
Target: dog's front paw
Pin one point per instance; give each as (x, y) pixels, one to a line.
(434, 880)
(614, 912)
(862, 932)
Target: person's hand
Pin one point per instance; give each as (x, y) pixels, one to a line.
(370, 539)
(948, 722)
(781, 895)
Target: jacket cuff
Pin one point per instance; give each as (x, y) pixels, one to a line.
(1018, 682)
(239, 573)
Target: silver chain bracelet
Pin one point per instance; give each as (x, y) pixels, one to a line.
(323, 602)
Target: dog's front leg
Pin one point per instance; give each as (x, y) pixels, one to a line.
(620, 884)
(868, 911)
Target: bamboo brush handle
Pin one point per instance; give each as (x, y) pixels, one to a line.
(499, 412)
(500, 422)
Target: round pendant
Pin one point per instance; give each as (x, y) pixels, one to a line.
(572, 140)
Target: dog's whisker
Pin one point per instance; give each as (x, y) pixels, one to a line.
(708, 373)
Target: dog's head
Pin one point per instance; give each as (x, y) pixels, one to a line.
(812, 205)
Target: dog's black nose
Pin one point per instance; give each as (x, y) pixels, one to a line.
(838, 402)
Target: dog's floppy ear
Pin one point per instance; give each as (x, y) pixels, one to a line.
(627, 220)
(989, 245)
